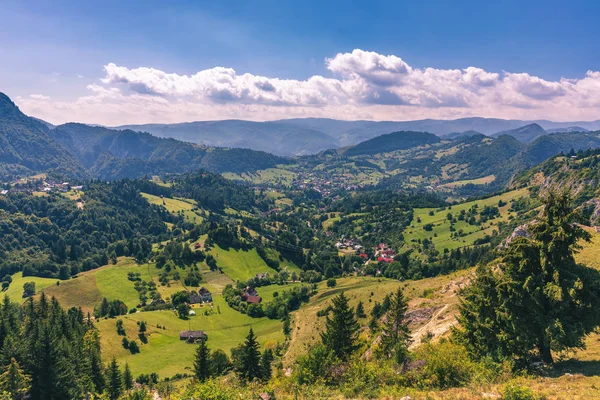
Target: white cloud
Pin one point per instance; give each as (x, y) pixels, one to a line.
(39, 97)
(363, 85)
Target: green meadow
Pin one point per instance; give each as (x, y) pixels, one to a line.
(183, 207)
(165, 353)
(239, 264)
(15, 290)
(440, 234)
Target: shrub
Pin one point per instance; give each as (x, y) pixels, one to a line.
(514, 391)
(446, 365)
(316, 365)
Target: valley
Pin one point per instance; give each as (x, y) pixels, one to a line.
(156, 247)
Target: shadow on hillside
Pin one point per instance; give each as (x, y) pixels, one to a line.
(573, 366)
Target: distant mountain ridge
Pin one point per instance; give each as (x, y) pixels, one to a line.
(392, 142)
(26, 146)
(525, 133)
(302, 136)
(29, 146)
(273, 137)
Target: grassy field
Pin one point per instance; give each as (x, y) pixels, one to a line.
(280, 199)
(272, 176)
(74, 195)
(590, 253)
(78, 292)
(15, 290)
(307, 325)
(176, 206)
(478, 181)
(240, 265)
(330, 220)
(285, 264)
(440, 235)
(266, 292)
(110, 281)
(166, 354)
(113, 284)
(157, 180)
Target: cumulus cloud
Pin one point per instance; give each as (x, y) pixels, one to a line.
(362, 84)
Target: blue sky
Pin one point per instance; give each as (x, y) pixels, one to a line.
(56, 49)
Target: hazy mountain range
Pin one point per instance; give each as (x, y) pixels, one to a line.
(29, 146)
(303, 136)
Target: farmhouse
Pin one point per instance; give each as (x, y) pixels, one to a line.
(205, 295)
(202, 296)
(251, 296)
(192, 336)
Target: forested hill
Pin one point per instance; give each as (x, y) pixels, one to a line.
(111, 154)
(56, 238)
(525, 133)
(577, 170)
(391, 142)
(28, 146)
(210, 191)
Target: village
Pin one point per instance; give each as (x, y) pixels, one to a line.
(324, 183)
(381, 253)
(38, 184)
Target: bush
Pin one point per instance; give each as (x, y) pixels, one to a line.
(133, 347)
(316, 365)
(514, 391)
(446, 365)
(331, 282)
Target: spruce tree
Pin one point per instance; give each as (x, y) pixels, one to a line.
(114, 379)
(265, 364)
(395, 336)
(287, 330)
(91, 351)
(360, 310)
(536, 298)
(250, 369)
(341, 329)
(127, 377)
(202, 361)
(14, 381)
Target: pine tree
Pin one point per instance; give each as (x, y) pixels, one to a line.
(202, 361)
(14, 381)
(250, 369)
(341, 330)
(91, 351)
(114, 380)
(537, 297)
(265, 364)
(127, 377)
(360, 310)
(142, 327)
(287, 330)
(104, 307)
(395, 336)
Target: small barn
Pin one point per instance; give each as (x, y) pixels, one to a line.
(192, 336)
